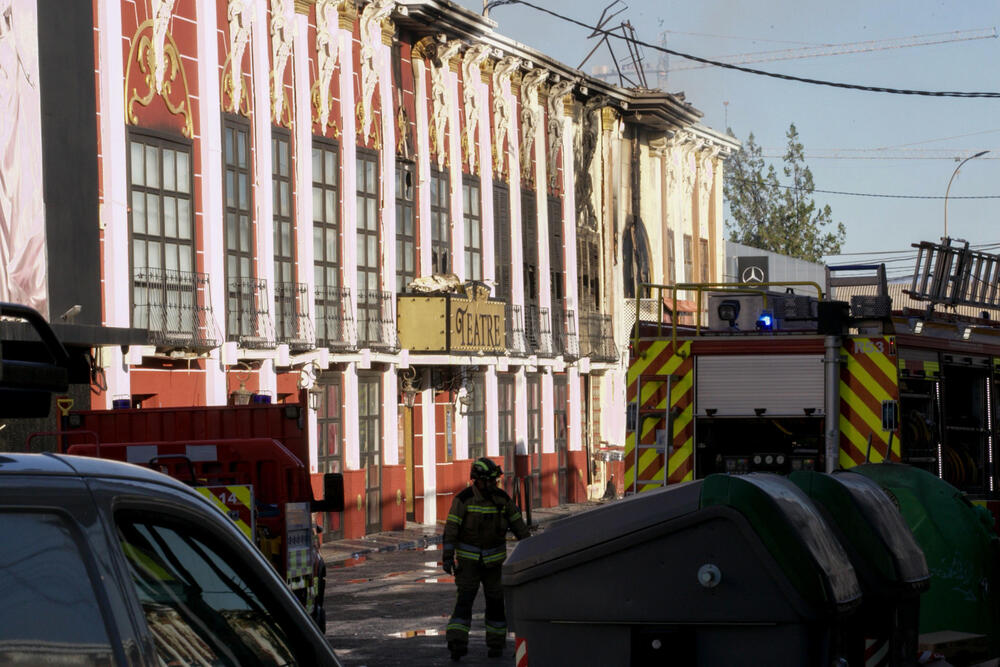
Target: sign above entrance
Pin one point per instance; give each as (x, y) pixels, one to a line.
(457, 323)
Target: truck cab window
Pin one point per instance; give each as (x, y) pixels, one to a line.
(199, 608)
(50, 608)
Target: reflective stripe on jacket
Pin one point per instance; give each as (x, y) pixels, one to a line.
(477, 525)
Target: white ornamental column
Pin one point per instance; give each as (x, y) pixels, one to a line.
(211, 206)
(263, 199)
(114, 182)
(348, 221)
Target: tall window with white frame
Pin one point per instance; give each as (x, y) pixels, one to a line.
(588, 270)
(369, 297)
(164, 290)
(440, 223)
(473, 220)
(238, 225)
(529, 255)
(501, 241)
(330, 299)
(476, 415)
(704, 261)
(406, 236)
(671, 259)
(284, 235)
(688, 259)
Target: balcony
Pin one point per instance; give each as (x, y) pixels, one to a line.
(564, 337)
(174, 306)
(538, 331)
(514, 322)
(377, 321)
(248, 315)
(335, 319)
(294, 326)
(597, 338)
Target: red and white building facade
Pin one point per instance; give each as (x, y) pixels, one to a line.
(273, 174)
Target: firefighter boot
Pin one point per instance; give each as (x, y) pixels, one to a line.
(495, 652)
(457, 650)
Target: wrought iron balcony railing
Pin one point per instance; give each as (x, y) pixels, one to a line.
(294, 326)
(248, 315)
(564, 328)
(377, 321)
(516, 344)
(545, 348)
(335, 319)
(174, 306)
(598, 341)
(532, 335)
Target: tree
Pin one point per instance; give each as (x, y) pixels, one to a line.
(767, 214)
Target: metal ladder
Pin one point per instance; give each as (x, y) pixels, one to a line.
(668, 417)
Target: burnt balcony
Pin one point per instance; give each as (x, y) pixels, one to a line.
(564, 337)
(597, 337)
(538, 331)
(248, 315)
(291, 316)
(174, 306)
(377, 321)
(514, 322)
(335, 319)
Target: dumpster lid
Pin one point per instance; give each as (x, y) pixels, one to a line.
(794, 532)
(563, 541)
(883, 516)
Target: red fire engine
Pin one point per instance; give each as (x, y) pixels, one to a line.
(785, 378)
(248, 460)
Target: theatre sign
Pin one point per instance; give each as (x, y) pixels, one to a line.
(452, 323)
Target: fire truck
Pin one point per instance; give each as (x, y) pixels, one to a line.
(247, 460)
(797, 376)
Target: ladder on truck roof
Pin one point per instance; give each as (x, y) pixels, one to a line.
(955, 275)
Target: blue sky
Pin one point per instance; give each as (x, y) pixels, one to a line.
(830, 120)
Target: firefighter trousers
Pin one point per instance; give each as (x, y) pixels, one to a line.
(468, 577)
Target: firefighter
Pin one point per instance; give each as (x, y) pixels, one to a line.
(476, 532)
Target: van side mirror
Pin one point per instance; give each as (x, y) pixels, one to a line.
(333, 494)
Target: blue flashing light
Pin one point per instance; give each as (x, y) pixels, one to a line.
(765, 321)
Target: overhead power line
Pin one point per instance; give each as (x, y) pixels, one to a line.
(882, 154)
(874, 194)
(748, 70)
(846, 48)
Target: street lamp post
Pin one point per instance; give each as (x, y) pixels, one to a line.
(953, 174)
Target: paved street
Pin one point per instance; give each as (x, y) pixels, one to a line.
(389, 606)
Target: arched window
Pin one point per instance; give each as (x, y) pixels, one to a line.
(635, 254)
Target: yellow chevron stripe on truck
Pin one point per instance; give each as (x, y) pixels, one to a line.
(868, 378)
(647, 378)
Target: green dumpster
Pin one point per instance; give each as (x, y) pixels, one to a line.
(959, 544)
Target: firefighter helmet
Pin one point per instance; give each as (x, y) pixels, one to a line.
(485, 468)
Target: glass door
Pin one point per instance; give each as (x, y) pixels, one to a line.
(370, 439)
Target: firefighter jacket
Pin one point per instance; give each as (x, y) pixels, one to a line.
(477, 526)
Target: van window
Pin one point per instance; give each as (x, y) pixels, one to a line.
(50, 613)
(200, 610)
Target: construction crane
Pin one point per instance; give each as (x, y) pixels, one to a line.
(818, 51)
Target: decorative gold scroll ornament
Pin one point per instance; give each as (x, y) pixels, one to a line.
(236, 84)
(473, 100)
(503, 112)
(327, 51)
(282, 21)
(372, 59)
(153, 48)
(531, 117)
